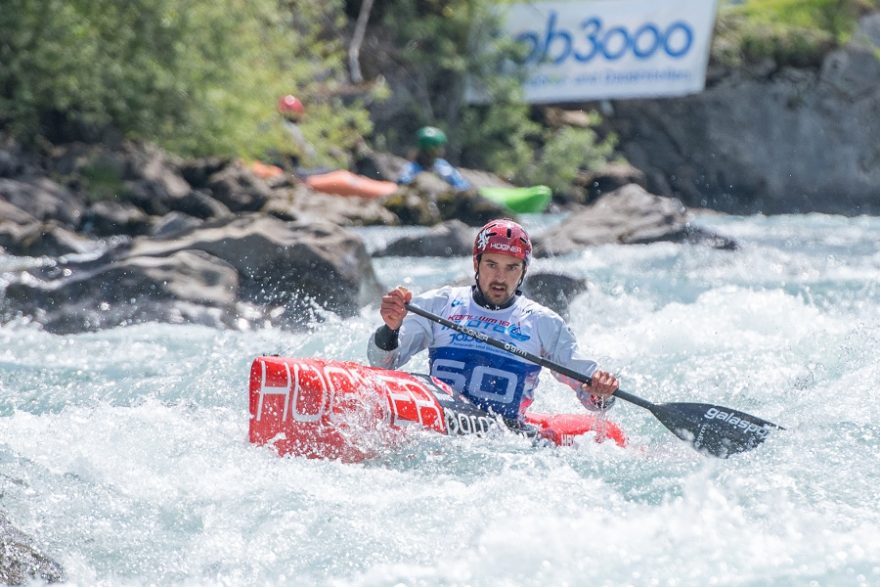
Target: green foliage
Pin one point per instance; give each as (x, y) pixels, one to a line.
(835, 17)
(565, 152)
(444, 45)
(795, 33)
(198, 77)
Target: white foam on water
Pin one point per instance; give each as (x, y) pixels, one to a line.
(125, 452)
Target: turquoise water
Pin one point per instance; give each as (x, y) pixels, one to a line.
(125, 453)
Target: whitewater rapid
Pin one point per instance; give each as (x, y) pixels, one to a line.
(124, 452)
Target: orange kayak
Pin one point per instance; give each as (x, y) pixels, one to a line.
(346, 183)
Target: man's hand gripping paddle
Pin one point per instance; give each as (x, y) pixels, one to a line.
(715, 430)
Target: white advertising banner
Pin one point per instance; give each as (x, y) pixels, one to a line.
(590, 50)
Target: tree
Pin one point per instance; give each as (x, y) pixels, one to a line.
(198, 77)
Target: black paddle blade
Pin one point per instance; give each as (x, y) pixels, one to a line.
(715, 430)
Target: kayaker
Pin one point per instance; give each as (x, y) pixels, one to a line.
(431, 143)
(292, 112)
(498, 382)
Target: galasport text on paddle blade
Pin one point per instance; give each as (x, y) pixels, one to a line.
(715, 430)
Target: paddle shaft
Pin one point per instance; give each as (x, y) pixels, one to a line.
(717, 430)
(526, 355)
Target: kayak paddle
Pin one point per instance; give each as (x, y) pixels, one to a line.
(715, 430)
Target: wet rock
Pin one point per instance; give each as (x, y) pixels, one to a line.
(450, 239)
(470, 207)
(40, 239)
(293, 267)
(198, 172)
(11, 213)
(43, 199)
(21, 562)
(413, 205)
(111, 217)
(629, 215)
(596, 183)
(554, 290)
(239, 189)
(173, 223)
(302, 203)
(185, 286)
(200, 204)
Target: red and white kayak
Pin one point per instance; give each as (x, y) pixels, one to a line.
(321, 408)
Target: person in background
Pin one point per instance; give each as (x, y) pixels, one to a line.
(292, 112)
(431, 142)
(498, 382)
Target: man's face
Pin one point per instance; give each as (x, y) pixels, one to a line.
(498, 276)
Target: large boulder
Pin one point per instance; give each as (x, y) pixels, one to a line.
(112, 217)
(43, 199)
(430, 200)
(554, 290)
(236, 187)
(41, 239)
(252, 268)
(291, 266)
(23, 235)
(792, 140)
(452, 238)
(469, 207)
(186, 286)
(594, 183)
(138, 173)
(629, 215)
(303, 203)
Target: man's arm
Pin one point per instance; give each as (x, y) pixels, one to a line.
(409, 173)
(598, 396)
(401, 336)
(450, 174)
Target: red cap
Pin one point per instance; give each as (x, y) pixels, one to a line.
(290, 105)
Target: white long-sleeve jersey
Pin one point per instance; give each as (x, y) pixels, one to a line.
(496, 381)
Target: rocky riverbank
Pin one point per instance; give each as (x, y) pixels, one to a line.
(210, 242)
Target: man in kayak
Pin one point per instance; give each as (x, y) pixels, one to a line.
(497, 382)
(292, 113)
(431, 142)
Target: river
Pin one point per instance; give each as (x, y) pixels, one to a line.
(125, 455)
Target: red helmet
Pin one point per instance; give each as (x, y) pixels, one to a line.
(505, 237)
(291, 105)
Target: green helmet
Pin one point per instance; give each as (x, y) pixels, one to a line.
(430, 137)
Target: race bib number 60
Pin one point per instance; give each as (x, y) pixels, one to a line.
(480, 381)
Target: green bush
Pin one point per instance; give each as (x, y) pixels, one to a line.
(565, 152)
(797, 33)
(198, 77)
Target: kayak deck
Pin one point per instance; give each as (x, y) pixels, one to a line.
(321, 408)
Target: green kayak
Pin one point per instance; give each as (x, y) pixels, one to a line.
(525, 200)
